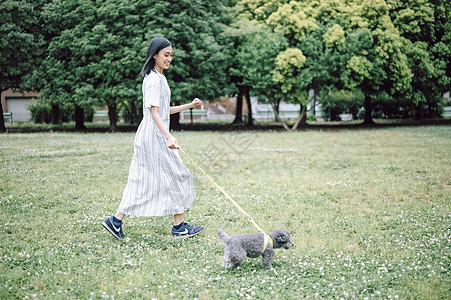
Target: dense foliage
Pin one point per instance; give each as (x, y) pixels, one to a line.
(379, 47)
(80, 53)
(96, 49)
(21, 43)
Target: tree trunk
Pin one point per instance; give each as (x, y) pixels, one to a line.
(296, 122)
(419, 111)
(334, 115)
(56, 115)
(174, 122)
(301, 119)
(133, 114)
(140, 114)
(250, 121)
(276, 114)
(276, 108)
(112, 116)
(368, 109)
(79, 118)
(239, 107)
(315, 96)
(2, 120)
(302, 115)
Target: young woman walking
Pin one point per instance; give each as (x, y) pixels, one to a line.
(159, 184)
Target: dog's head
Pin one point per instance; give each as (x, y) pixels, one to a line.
(281, 238)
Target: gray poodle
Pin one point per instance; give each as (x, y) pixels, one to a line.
(240, 246)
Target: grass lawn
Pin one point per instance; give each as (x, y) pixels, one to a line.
(368, 210)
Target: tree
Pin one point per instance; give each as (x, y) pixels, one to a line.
(426, 27)
(291, 20)
(21, 44)
(376, 55)
(258, 61)
(361, 47)
(254, 60)
(201, 58)
(96, 51)
(238, 33)
(324, 51)
(62, 75)
(311, 64)
(110, 51)
(287, 73)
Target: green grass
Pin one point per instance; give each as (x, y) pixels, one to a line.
(368, 210)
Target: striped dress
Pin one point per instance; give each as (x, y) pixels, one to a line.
(158, 184)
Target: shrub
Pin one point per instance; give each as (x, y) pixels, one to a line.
(41, 112)
(387, 107)
(342, 102)
(311, 117)
(384, 106)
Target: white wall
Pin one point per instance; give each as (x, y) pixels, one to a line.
(19, 107)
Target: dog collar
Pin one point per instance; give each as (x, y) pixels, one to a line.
(269, 240)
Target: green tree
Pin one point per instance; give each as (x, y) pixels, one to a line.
(254, 59)
(364, 47)
(324, 50)
(21, 44)
(288, 74)
(376, 56)
(291, 20)
(361, 44)
(109, 50)
(62, 76)
(201, 56)
(426, 26)
(96, 51)
(258, 61)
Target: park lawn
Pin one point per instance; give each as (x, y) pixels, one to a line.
(368, 211)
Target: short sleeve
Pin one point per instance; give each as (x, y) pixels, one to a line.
(152, 88)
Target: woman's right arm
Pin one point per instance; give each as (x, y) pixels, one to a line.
(172, 142)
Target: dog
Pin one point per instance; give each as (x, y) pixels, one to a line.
(240, 246)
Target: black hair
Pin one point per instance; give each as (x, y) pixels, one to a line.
(156, 44)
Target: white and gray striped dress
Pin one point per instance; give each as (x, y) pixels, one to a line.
(159, 184)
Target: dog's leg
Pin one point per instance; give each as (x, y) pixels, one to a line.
(267, 258)
(233, 257)
(229, 264)
(226, 260)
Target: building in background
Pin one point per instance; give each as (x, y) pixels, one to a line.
(17, 104)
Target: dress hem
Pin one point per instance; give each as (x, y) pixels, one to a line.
(153, 215)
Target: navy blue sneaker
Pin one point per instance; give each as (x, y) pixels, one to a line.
(186, 230)
(114, 230)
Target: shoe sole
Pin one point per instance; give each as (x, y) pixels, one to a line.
(110, 231)
(186, 235)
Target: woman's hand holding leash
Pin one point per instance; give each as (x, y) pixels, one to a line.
(172, 143)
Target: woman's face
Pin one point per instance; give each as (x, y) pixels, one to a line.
(163, 58)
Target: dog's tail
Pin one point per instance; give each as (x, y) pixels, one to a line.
(223, 236)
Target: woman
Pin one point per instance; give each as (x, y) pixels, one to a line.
(159, 184)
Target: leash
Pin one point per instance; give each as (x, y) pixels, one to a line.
(267, 237)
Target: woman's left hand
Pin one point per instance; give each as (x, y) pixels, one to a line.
(196, 102)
